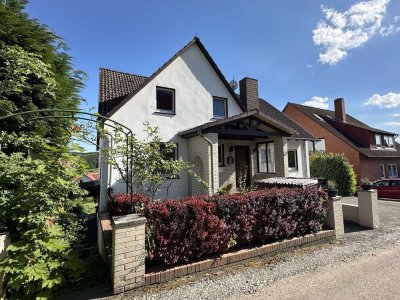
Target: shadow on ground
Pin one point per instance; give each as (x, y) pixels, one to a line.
(96, 292)
(350, 227)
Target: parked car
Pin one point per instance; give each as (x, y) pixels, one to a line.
(388, 188)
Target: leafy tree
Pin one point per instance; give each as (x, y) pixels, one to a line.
(152, 160)
(38, 200)
(35, 72)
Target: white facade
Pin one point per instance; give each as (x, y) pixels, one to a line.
(195, 83)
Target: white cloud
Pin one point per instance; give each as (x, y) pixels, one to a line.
(339, 32)
(309, 66)
(392, 123)
(318, 102)
(389, 100)
(395, 115)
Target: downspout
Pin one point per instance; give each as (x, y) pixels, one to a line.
(212, 158)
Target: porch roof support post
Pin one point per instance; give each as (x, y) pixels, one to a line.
(211, 144)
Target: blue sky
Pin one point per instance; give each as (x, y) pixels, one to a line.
(309, 50)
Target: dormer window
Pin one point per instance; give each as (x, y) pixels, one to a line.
(220, 109)
(388, 142)
(378, 141)
(165, 100)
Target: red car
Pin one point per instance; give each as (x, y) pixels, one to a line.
(388, 188)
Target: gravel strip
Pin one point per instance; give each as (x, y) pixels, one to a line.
(249, 277)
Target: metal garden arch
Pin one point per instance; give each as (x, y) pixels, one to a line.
(98, 119)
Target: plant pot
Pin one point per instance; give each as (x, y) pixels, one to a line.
(366, 187)
(331, 193)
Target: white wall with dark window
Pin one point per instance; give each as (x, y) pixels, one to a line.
(297, 158)
(165, 100)
(292, 160)
(194, 84)
(220, 108)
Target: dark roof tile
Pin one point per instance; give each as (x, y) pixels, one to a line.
(270, 110)
(115, 86)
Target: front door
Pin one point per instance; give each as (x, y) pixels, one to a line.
(242, 165)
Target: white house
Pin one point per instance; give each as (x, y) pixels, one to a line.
(220, 132)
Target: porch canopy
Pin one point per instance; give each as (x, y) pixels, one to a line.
(248, 125)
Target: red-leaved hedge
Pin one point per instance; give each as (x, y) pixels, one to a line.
(193, 227)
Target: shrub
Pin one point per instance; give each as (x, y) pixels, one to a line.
(334, 167)
(193, 227)
(184, 229)
(122, 204)
(38, 204)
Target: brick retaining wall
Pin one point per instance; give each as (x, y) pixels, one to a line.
(237, 256)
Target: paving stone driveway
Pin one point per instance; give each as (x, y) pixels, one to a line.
(389, 211)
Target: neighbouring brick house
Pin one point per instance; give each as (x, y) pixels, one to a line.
(373, 152)
(220, 132)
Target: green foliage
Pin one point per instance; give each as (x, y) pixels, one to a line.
(365, 181)
(225, 190)
(331, 184)
(35, 72)
(91, 158)
(152, 160)
(334, 167)
(38, 201)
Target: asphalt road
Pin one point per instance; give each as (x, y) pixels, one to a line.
(375, 276)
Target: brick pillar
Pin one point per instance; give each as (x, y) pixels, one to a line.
(4, 241)
(128, 252)
(334, 216)
(368, 208)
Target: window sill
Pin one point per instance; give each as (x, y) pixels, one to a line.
(268, 173)
(161, 112)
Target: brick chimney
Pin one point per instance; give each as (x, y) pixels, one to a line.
(340, 113)
(249, 93)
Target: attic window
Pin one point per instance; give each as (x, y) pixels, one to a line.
(378, 141)
(219, 108)
(318, 117)
(165, 100)
(388, 140)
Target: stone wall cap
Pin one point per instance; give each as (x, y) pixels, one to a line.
(336, 198)
(128, 220)
(367, 191)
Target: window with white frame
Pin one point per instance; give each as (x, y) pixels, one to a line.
(266, 157)
(382, 171)
(392, 170)
(219, 108)
(221, 159)
(165, 100)
(388, 142)
(378, 141)
(292, 159)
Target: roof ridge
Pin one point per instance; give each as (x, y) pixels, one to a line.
(195, 40)
(121, 72)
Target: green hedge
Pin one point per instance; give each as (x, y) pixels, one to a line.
(335, 167)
